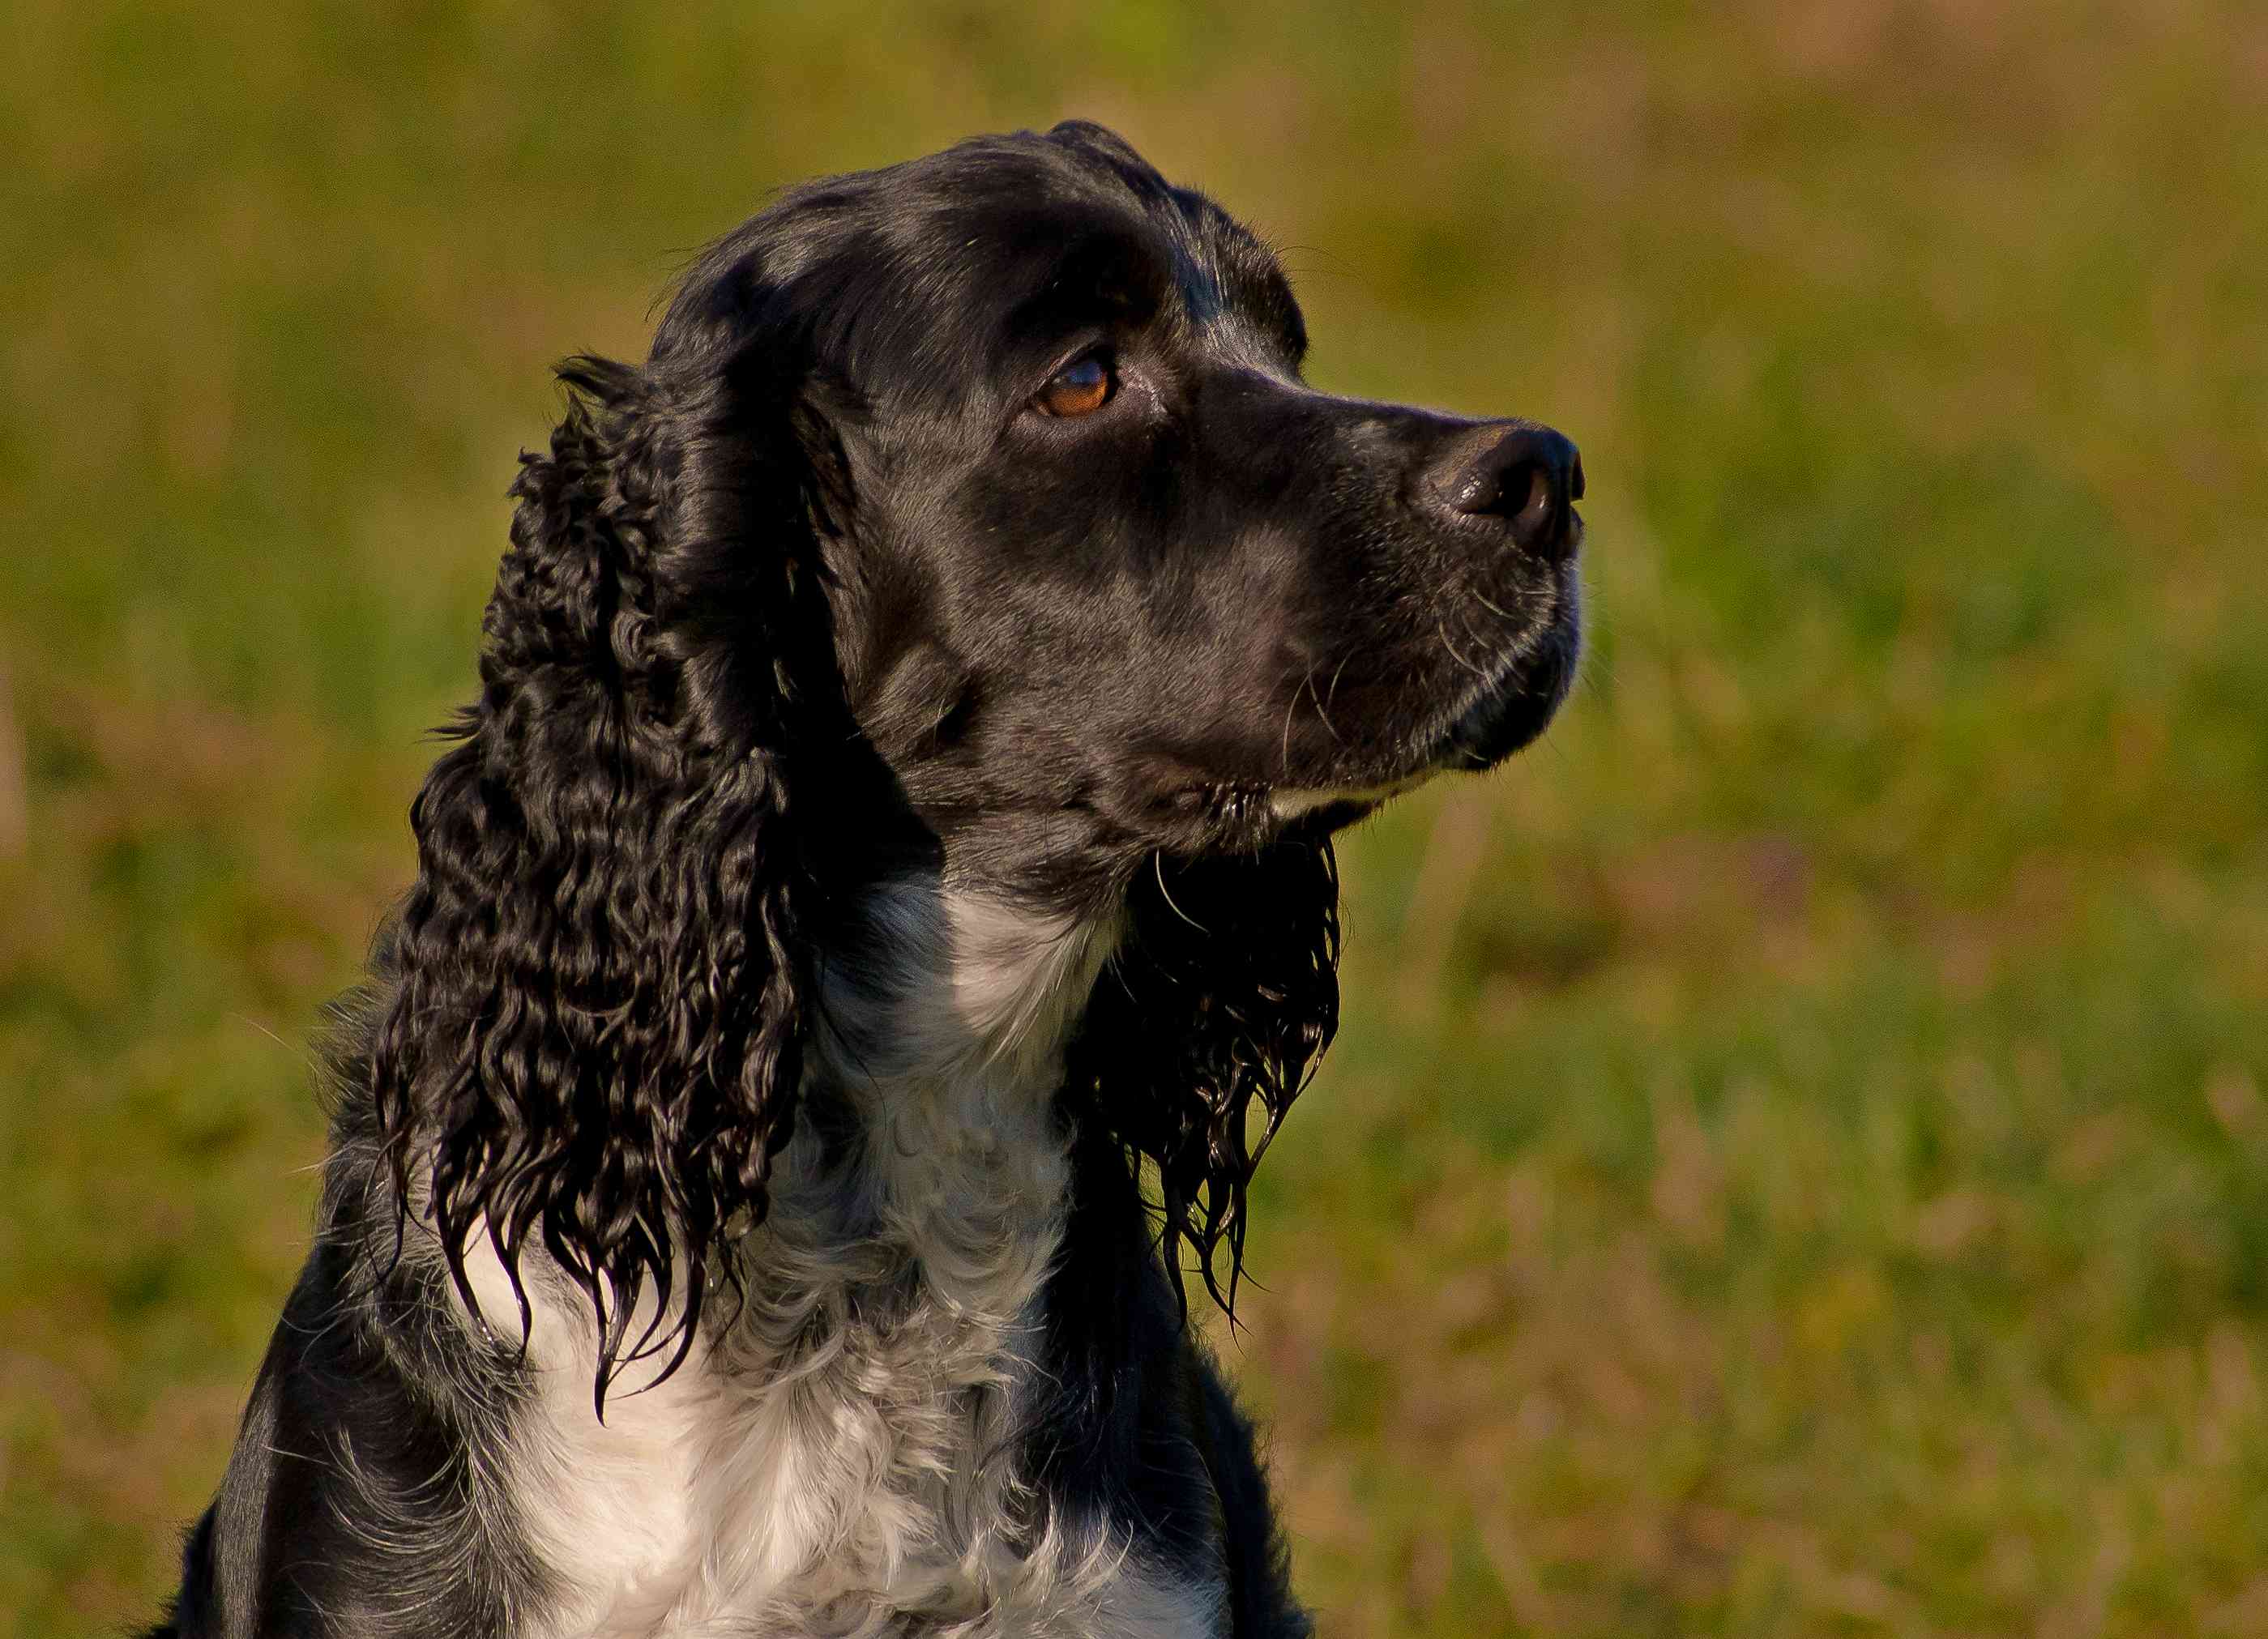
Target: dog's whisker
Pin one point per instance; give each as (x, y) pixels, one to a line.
(1440, 627)
(1500, 614)
(1290, 707)
(1322, 711)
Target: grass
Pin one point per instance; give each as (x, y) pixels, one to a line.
(1798, 1159)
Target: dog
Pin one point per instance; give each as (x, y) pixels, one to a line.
(866, 931)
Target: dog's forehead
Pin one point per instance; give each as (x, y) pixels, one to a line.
(931, 276)
(1035, 224)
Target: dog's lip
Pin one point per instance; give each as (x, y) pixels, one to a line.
(1295, 803)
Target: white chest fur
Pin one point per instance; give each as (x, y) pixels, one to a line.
(842, 1459)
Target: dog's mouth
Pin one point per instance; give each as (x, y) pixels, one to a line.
(1509, 714)
(1518, 707)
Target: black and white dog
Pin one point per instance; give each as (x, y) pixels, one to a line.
(865, 934)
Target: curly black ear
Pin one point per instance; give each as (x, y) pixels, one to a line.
(1223, 996)
(597, 995)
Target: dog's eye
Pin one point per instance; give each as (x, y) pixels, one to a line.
(1077, 389)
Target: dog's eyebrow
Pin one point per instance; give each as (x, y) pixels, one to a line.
(1110, 277)
(1207, 273)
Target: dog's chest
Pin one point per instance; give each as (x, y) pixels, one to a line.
(842, 1502)
(844, 1459)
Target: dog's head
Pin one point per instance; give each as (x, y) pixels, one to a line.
(969, 518)
(1109, 577)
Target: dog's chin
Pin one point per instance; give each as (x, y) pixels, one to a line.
(1516, 710)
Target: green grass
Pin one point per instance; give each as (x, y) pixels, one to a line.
(1797, 1162)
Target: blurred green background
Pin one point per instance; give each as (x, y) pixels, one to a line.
(1794, 1163)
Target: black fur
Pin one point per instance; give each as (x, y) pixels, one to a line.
(811, 601)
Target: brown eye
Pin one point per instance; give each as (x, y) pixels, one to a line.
(1077, 389)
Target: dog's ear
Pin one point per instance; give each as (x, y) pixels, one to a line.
(596, 1000)
(1222, 997)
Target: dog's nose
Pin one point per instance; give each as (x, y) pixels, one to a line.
(1529, 475)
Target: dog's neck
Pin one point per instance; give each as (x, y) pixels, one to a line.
(941, 984)
(930, 1131)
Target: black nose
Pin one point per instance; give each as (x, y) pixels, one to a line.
(1529, 475)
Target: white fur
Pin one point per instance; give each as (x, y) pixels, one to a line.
(840, 1460)
(1291, 804)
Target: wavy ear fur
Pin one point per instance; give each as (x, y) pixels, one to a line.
(1224, 995)
(598, 993)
